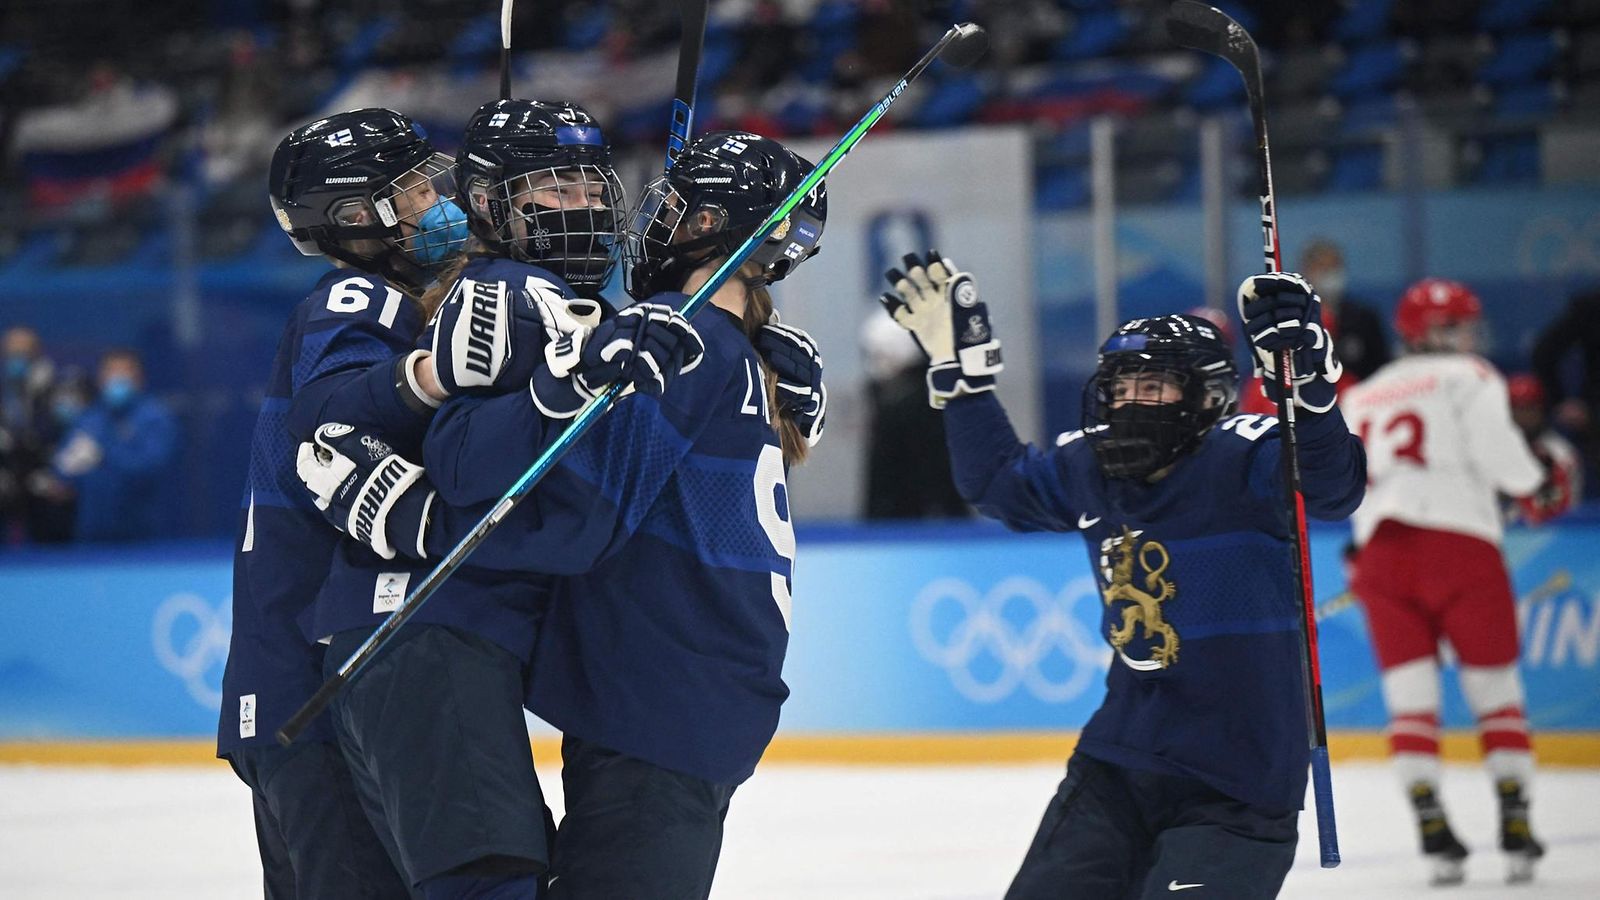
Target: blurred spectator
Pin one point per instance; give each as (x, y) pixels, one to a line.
(1577, 328)
(239, 137)
(1563, 482)
(1358, 333)
(908, 470)
(27, 433)
(119, 457)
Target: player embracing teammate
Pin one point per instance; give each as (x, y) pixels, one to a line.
(1442, 448)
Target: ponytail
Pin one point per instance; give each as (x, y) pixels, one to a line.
(758, 312)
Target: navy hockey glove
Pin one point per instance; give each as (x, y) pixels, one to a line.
(645, 345)
(1281, 311)
(365, 489)
(795, 362)
(939, 305)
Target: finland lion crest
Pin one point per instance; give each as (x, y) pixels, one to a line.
(1140, 607)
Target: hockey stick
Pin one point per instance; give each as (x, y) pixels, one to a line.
(961, 46)
(681, 128)
(1200, 27)
(505, 48)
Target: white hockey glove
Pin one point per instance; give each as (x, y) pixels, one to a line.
(645, 346)
(365, 489)
(939, 305)
(485, 337)
(1281, 311)
(795, 362)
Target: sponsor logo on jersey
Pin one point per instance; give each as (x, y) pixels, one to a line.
(382, 482)
(247, 716)
(481, 330)
(389, 590)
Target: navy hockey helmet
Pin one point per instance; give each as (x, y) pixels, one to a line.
(363, 187)
(1160, 386)
(538, 185)
(717, 193)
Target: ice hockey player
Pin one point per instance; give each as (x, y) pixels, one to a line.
(661, 653)
(1441, 446)
(1191, 773)
(358, 188)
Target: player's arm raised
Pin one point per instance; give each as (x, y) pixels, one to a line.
(994, 471)
(1281, 311)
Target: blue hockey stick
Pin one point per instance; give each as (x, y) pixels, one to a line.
(961, 46)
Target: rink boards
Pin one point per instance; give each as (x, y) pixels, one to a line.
(944, 644)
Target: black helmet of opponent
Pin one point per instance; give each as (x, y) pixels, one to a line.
(538, 186)
(1134, 429)
(360, 187)
(715, 196)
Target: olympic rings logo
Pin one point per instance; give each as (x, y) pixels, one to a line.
(988, 653)
(190, 640)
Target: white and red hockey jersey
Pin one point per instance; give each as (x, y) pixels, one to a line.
(1441, 445)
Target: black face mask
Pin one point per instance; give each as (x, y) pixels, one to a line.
(575, 244)
(1140, 439)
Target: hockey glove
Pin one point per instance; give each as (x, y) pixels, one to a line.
(793, 356)
(486, 337)
(1282, 312)
(365, 489)
(939, 305)
(645, 346)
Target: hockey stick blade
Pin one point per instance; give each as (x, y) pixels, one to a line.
(592, 411)
(692, 13)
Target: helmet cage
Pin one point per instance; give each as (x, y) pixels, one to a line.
(1134, 431)
(561, 218)
(667, 238)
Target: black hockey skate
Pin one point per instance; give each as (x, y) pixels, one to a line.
(1445, 853)
(1522, 849)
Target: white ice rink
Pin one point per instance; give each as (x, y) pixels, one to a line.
(807, 833)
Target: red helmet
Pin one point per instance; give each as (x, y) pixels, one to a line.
(1525, 390)
(1434, 301)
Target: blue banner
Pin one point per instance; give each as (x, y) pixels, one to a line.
(949, 629)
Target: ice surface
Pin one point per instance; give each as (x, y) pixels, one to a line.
(935, 833)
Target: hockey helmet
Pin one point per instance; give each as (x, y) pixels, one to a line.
(715, 196)
(363, 187)
(537, 181)
(1433, 302)
(1161, 384)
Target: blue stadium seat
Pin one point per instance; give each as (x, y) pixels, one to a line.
(1358, 168)
(1503, 15)
(955, 99)
(1509, 159)
(1218, 85)
(1527, 101)
(1520, 58)
(1369, 70)
(1369, 114)
(1097, 33)
(1364, 20)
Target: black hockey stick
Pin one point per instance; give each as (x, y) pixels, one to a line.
(693, 15)
(1200, 27)
(960, 46)
(505, 48)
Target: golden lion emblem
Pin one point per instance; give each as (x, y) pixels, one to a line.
(1144, 608)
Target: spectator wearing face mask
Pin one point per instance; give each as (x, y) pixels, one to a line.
(116, 455)
(1359, 337)
(27, 434)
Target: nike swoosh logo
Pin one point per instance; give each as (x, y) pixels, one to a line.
(1173, 885)
(1084, 521)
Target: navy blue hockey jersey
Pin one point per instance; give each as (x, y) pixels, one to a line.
(670, 518)
(335, 358)
(501, 604)
(1196, 579)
